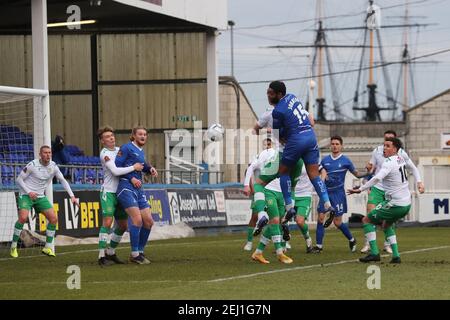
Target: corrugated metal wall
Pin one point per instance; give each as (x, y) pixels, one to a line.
(172, 67)
(69, 62)
(155, 80)
(15, 61)
(69, 69)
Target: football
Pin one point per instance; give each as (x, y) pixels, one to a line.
(215, 132)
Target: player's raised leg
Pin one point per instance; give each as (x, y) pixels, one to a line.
(319, 186)
(250, 228)
(284, 241)
(384, 215)
(295, 174)
(272, 231)
(371, 236)
(260, 204)
(268, 174)
(268, 154)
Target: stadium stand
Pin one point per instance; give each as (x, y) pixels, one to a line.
(82, 169)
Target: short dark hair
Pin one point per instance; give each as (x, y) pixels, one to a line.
(102, 130)
(278, 87)
(267, 140)
(396, 142)
(339, 138)
(44, 147)
(391, 132)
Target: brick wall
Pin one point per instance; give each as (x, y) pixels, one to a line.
(358, 129)
(425, 123)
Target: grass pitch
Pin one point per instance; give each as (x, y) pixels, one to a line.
(216, 267)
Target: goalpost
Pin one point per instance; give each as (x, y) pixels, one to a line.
(24, 127)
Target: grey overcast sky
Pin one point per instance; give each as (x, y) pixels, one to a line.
(295, 18)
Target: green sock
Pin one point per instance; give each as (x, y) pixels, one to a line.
(250, 234)
(371, 236)
(305, 231)
(259, 198)
(264, 239)
(102, 239)
(116, 237)
(392, 239)
(276, 237)
(50, 234)
(17, 230)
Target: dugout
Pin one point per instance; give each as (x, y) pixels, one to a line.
(147, 62)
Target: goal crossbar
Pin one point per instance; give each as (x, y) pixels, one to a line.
(23, 91)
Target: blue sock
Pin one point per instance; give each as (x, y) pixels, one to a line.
(346, 231)
(320, 232)
(285, 183)
(143, 238)
(321, 189)
(134, 236)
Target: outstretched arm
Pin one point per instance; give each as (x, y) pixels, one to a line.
(358, 174)
(257, 127)
(122, 171)
(148, 168)
(64, 182)
(411, 166)
(375, 179)
(66, 186)
(264, 121)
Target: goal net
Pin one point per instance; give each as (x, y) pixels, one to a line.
(23, 121)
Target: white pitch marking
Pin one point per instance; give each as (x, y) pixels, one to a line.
(222, 279)
(120, 248)
(251, 275)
